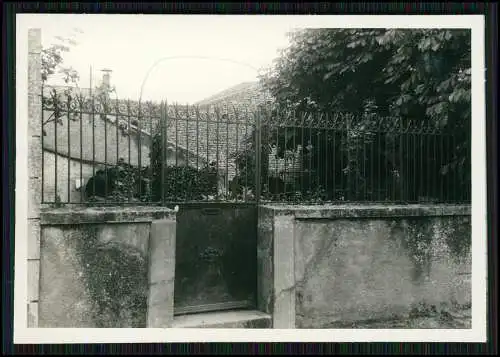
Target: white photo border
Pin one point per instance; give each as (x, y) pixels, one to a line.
(478, 332)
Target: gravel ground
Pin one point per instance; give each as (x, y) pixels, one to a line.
(459, 319)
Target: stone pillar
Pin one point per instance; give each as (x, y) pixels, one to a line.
(276, 267)
(265, 260)
(161, 273)
(284, 272)
(34, 170)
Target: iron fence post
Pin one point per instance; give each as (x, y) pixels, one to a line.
(402, 193)
(257, 155)
(348, 151)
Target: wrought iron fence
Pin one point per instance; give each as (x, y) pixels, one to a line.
(99, 150)
(332, 157)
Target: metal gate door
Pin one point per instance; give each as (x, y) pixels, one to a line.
(216, 257)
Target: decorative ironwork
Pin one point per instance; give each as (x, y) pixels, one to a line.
(263, 155)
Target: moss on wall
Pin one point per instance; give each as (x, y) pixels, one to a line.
(458, 237)
(418, 242)
(115, 277)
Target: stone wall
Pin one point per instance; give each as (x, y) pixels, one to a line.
(35, 172)
(328, 267)
(109, 267)
(317, 266)
(67, 169)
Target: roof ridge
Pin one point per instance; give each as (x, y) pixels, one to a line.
(233, 90)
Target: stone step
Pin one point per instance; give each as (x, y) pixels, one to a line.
(224, 319)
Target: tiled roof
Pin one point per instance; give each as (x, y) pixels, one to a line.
(202, 132)
(247, 95)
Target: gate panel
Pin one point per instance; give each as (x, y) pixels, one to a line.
(216, 257)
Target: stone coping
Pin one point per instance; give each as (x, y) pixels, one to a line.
(117, 214)
(367, 211)
(110, 214)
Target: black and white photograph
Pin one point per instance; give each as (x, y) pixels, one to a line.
(242, 177)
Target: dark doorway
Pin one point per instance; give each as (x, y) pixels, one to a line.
(216, 257)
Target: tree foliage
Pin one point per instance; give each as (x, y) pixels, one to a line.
(52, 63)
(53, 60)
(422, 76)
(418, 72)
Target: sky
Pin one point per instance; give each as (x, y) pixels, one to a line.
(227, 50)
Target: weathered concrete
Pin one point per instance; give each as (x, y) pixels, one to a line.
(362, 264)
(64, 301)
(161, 273)
(284, 279)
(35, 154)
(265, 261)
(224, 319)
(32, 314)
(34, 240)
(95, 274)
(94, 215)
(367, 210)
(91, 278)
(455, 318)
(34, 83)
(35, 198)
(34, 170)
(33, 279)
